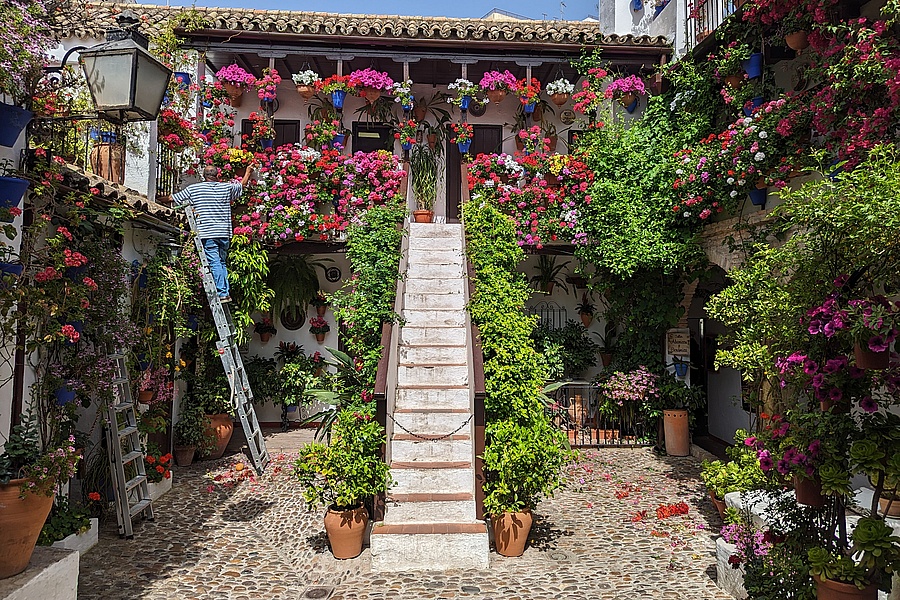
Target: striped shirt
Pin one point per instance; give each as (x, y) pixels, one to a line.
(212, 202)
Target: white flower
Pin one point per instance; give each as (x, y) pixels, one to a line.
(687, 215)
(763, 135)
(741, 181)
(560, 86)
(305, 77)
(730, 180)
(679, 171)
(759, 156)
(733, 193)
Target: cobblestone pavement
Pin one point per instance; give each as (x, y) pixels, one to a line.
(599, 538)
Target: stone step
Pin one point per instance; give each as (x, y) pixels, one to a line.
(453, 398)
(435, 230)
(432, 478)
(439, 271)
(433, 243)
(438, 508)
(433, 336)
(434, 301)
(432, 375)
(433, 355)
(432, 422)
(436, 257)
(448, 285)
(430, 547)
(408, 448)
(434, 318)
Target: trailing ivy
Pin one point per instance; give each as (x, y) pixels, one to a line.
(248, 270)
(524, 451)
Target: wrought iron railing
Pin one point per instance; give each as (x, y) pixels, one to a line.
(168, 175)
(576, 410)
(704, 16)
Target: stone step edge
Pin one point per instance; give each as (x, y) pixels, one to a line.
(430, 386)
(437, 497)
(405, 437)
(433, 365)
(459, 464)
(432, 528)
(425, 411)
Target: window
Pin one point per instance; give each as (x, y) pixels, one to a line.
(287, 131)
(368, 137)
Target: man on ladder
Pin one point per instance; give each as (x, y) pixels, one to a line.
(212, 200)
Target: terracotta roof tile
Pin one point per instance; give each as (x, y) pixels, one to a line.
(98, 16)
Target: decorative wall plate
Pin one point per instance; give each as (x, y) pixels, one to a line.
(567, 116)
(292, 318)
(333, 274)
(477, 109)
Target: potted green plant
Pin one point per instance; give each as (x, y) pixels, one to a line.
(522, 463)
(423, 168)
(857, 573)
(876, 453)
(214, 400)
(69, 526)
(190, 435)
(265, 329)
(577, 352)
(586, 310)
(341, 476)
(549, 274)
(319, 327)
(321, 303)
(740, 474)
(607, 341)
(294, 281)
(434, 106)
(873, 326)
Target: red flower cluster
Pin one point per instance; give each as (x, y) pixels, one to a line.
(664, 511)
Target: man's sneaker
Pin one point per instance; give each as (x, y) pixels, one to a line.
(224, 299)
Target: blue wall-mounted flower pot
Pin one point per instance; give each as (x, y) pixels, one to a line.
(406, 107)
(753, 65)
(633, 106)
(406, 145)
(529, 108)
(464, 102)
(754, 104)
(464, 146)
(637, 5)
(681, 369)
(64, 395)
(12, 190)
(182, 80)
(758, 196)
(12, 121)
(266, 144)
(193, 322)
(76, 273)
(12, 269)
(338, 140)
(337, 98)
(291, 409)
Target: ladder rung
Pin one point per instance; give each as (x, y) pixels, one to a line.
(128, 431)
(133, 483)
(122, 406)
(139, 507)
(116, 356)
(131, 456)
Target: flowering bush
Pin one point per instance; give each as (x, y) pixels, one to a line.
(592, 94)
(462, 133)
(370, 78)
(41, 467)
(337, 83)
(25, 38)
(307, 77)
(496, 80)
(625, 85)
(533, 140)
(629, 387)
(318, 325)
(321, 134)
(560, 86)
(235, 75)
(267, 85)
(262, 129)
(528, 93)
(175, 132)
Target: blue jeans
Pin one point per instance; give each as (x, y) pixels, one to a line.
(217, 256)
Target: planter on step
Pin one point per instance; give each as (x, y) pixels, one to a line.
(511, 532)
(346, 530)
(21, 521)
(82, 542)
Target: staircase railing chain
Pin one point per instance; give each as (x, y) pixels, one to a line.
(432, 438)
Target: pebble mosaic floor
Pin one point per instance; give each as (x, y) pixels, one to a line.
(602, 537)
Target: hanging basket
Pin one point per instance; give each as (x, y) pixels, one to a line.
(874, 361)
(797, 41)
(496, 96)
(464, 146)
(235, 93)
(371, 94)
(753, 65)
(12, 121)
(629, 101)
(306, 91)
(337, 99)
(559, 99)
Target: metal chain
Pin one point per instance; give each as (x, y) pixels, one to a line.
(431, 439)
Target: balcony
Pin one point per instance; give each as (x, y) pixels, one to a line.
(703, 17)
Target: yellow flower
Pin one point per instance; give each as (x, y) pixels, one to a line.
(177, 368)
(168, 355)
(148, 330)
(183, 364)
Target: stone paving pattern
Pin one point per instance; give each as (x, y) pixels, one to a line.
(256, 539)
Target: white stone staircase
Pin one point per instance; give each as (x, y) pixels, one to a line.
(430, 520)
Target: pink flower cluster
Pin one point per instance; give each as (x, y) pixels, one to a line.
(235, 75)
(497, 80)
(633, 386)
(626, 85)
(370, 78)
(267, 86)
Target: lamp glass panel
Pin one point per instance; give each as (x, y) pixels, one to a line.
(109, 78)
(152, 81)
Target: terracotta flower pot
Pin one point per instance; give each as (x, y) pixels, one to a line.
(235, 93)
(894, 510)
(627, 99)
(586, 319)
(21, 520)
(496, 96)
(371, 94)
(734, 81)
(265, 337)
(320, 310)
(606, 358)
(432, 140)
(306, 91)
(677, 432)
(184, 455)
(345, 530)
(511, 532)
(520, 145)
(866, 359)
(145, 396)
(538, 115)
(797, 41)
(220, 428)
(420, 111)
(423, 216)
(809, 491)
(559, 99)
(320, 337)
(719, 504)
(835, 590)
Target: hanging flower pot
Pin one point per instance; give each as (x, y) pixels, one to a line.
(145, 396)
(866, 359)
(64, 395)
(538, 115)
(464, 146)
(337, 99)
(432, 140)
(306, 91)
(529, 107)
(12, 190)
(511, 532)
(606, 358)
(464, 103)
(406, 145)
(752, 105)
(809, 491)
(629, 101)
(496, 96)
(345, 530)
(797, 41)
(420, 111)
(753, 65)
(21, 520)
(265, 337)
(235, 93)
(371, 94)
(338, 140)
(586, 319)
(266, 144)
(758, 196)
(681, 369)
(10, 269)
(559, 99)
(12, 121)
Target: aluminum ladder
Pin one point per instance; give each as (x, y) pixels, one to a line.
(241, 394)
(126, 455)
